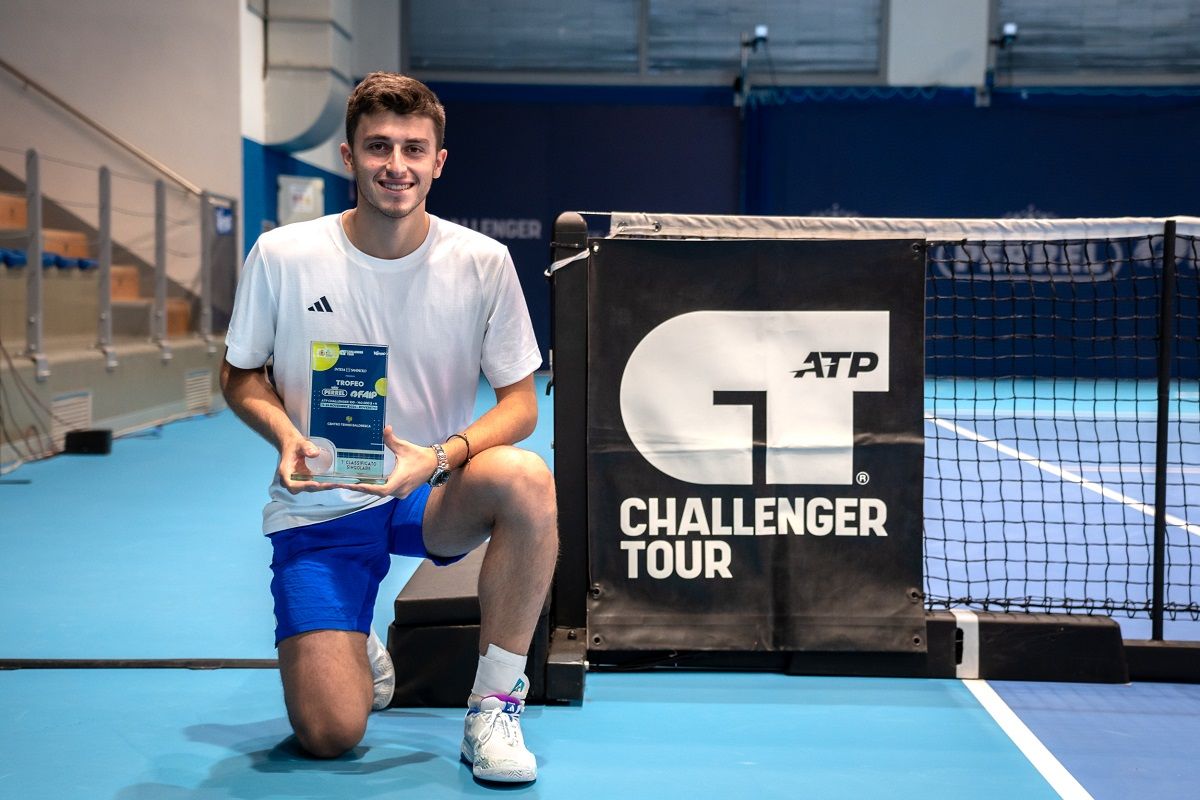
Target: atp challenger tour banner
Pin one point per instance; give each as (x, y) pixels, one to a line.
(755, 445)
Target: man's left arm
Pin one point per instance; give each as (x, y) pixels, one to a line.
(509, 421)
(512, 419)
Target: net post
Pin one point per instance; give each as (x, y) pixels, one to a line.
(566, 661)
(569, 364)
(1166, 305)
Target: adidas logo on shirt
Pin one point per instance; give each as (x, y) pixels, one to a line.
(321, 305)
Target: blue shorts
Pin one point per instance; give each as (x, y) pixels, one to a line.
(327, 575)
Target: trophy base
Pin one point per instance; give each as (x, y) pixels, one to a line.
(329, 478)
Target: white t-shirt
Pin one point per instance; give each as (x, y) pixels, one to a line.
(448, 310)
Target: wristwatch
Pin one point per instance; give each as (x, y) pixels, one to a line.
(441, 473)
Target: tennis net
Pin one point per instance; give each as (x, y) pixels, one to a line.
(1062, 405)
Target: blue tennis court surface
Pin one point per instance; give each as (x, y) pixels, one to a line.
(154, 552)
(164, 734)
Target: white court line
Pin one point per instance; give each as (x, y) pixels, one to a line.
(967, 622)
(1030, 746)
(1065, 475)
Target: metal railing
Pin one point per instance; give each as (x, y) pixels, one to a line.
(167, 231)
(210, 203)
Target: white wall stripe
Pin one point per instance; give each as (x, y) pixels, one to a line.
(1063, 474)
(1042, 759)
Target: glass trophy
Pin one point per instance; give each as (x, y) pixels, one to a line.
(347, 407)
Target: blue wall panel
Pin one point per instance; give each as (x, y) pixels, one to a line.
(261, 166)
(937, 155)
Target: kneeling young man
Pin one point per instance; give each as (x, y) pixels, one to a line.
(447, 304)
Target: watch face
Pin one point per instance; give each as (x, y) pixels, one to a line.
(441, 473)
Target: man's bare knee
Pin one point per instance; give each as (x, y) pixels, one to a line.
(327, 689)
(329, 738)
(527, 474)
(328, 731)
(528, 501)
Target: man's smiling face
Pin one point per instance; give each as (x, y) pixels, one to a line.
(394, 159)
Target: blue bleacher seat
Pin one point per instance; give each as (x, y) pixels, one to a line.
(14, 259)
(87, 264)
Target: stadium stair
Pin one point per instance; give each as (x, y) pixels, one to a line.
(70, 293)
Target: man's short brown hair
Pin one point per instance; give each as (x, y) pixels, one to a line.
(390, 91)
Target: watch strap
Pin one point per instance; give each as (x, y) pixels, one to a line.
(441, 472)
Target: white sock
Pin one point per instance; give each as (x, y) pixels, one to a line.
(501, 672)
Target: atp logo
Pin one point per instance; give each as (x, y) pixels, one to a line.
(754, 397)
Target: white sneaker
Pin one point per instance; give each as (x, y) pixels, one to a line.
(492, 742)
(382, 671)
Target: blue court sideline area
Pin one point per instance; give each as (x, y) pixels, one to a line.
(154, 552)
